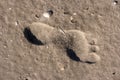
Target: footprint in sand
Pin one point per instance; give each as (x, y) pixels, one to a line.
(76, 40)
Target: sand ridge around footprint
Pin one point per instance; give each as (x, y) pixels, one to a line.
(68, 39)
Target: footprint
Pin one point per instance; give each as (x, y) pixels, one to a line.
(41, 31)
(80, 45)
(75, 40)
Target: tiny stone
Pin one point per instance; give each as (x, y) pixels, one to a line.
(92, 14)
(99, 16)
(62, 69)
(48, 14)
(71, 18)
(115, 2)
(10, 8)
(74, 14)
(16, 23)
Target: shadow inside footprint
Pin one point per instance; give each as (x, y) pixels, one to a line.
(72, 55)
(89, 62)
(31, 38)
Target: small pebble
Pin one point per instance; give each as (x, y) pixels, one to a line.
(115, 2)
(92, 14)
(71, 18)
(62, 69)
(61, 66)
(74, 14)
(48, 14)
(16, 23)
(10, 8)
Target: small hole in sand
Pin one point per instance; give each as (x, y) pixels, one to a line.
(50, 12)
(87, 8)
(113, 73)
(66, 12)
(73, 21)
(37, 59)
(37, 16)
(26, 79)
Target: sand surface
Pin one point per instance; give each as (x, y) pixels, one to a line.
(21, 59)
